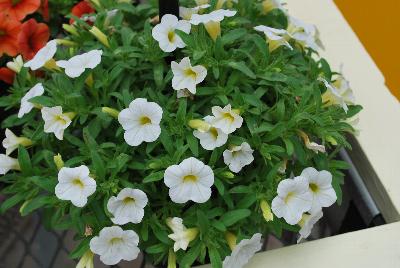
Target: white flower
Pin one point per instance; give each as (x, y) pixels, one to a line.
(27, 106)
(187, 12)
(16, 64)
(238, 156)
(141, 121)
(305, 34)
(317, 148)
(190, 180)
(75, 185)
(8, 163)
(164, 32)
(214, 16)
(76, 65)
(127, 206)
(307, 223)
(243, 252)
(226, 119)
(181, 235)
(320, 183)
(338, 93)
(187, 76)
(212, 21)
(11, 142)
(293, 199)
(45, 54)
(275, 37)
(114, 244)
(212, 138)
(55, 121)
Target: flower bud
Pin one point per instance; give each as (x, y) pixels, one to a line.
(214, 29)
(228, 175)
(86, 260)
(231, 240)
(266, 210)
(70, 29)
(16, 64)
(100, 36)
(58, 161)
(171, 259)
(200, 125)
(66, 42)
(110, 111)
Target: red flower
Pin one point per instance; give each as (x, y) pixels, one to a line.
(9, 29)
(7, 75)
(80, 9)
(33, 36)
(19, 8)
(44, 10)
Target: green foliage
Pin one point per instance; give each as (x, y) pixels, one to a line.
(277, 92)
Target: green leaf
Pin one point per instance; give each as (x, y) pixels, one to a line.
(242, 67)
(289, 146)
(220, 186)
(193, 143)
(80, 249)
(156, 176)
(181, 114)
(24, 160)
(158, 72)
(156, 249)
(98, 165)
(218, 225)
(47, 184)
(215, 257)
(232, 217)
(166, 141)
(233, 35)
(35, 203)
(12, 201)
(42, 100)
(190, 256)
(203, 222)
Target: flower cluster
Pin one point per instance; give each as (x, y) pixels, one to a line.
(176, 137)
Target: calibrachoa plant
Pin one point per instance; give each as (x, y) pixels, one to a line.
(188, 139)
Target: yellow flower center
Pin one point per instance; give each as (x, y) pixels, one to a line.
(60, 119)
(288, 197)
(192, 74)
(115, 240)
(128, 200)
(171, 36)
(15, 2)
(314, 187)
(214, 132)
(190, 178)
(2, 32)
(144, 120)
(78, 182)
(229, 117)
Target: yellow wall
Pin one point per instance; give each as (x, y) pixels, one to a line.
(377, 24)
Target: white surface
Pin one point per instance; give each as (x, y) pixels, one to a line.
(380, 119)
(379, 138)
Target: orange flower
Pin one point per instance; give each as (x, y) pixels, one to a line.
(7, 75)
(44, 9)
(80, 9)
(19, 8)
(32, 38)
(9, 29)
